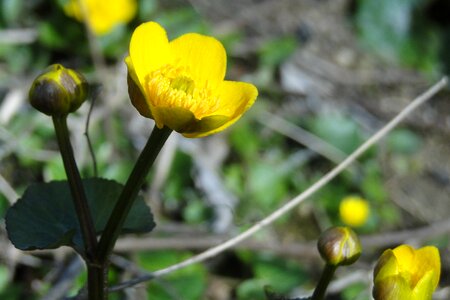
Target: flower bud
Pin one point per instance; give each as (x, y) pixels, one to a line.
(58, 91)
(407, 273)
(339, 246)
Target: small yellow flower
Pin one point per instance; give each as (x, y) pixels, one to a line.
(180, 84)
(354, 211)
(406, 273)
(101, 15)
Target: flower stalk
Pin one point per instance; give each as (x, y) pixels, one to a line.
(324, 281)
(130, 191)
(76, 186)
(96, 279)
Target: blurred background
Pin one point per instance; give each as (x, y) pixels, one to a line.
(329, 73)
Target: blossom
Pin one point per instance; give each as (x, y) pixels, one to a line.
(354, 211)
(101, 15)
(180, 84)
(407, 273)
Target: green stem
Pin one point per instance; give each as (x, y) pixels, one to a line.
(130, 191)
(325, 278)
(96, 282)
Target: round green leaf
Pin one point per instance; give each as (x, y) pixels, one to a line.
(45, 217)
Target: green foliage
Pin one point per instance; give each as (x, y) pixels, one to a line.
(195, 212)
(266, 183)
(244, 140)
(11, 10)
(45, 218)
(394, 30)
(4, 278)
(340, 131)
(280, 274)
(275, 51)
(187, 284)
(404, 141)
(356, 291)
(146, 9)
(271, 54)
(180, 21)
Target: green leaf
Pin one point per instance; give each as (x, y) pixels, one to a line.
(338, 130)
(4, 278)
(275, 51)
(251, 289)
(188, 284)
(45, 217)
(282, 275)
(404, 141)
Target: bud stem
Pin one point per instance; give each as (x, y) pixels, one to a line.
(130, 191)
(95, 275)
(325, 278)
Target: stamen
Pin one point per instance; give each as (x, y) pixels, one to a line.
(172, 86)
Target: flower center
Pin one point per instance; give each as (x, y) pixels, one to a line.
(171, 86)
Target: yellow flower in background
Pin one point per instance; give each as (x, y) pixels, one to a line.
(354, 211)
(102, 15)
(406, 273)
(180, 84)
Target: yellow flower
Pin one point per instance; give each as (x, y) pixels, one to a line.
(101, 15)
(180, 84)
(406, 273)
(354, 211)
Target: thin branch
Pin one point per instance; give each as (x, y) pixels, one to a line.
(8, 191)
(304, 251)
(300, 198)
(65, 281)
(88, 138)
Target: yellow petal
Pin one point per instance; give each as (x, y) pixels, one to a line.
(175, 118)
(204, 57)
(405, 256)
(149, 49)
(428, 259)
(387, 266)
(392, 288)
(121, 11)
(425, 287)
(236, 97)
(183, 121)
(205, 126)
(101, 15)
(136, 92)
